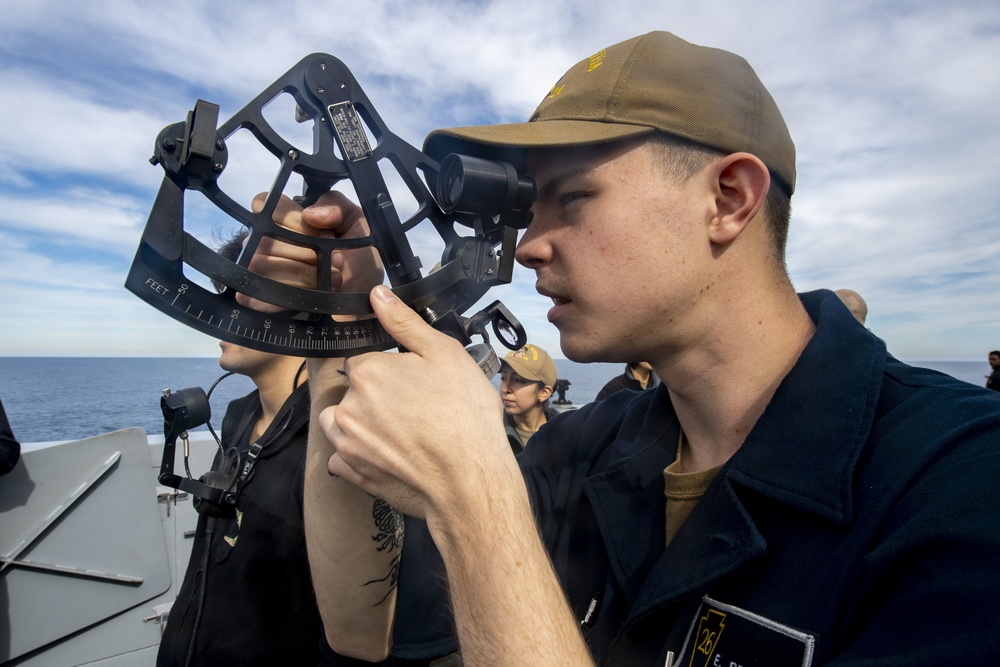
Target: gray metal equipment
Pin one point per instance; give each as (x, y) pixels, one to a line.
(90, 548)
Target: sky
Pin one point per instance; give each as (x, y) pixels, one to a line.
(893, 107)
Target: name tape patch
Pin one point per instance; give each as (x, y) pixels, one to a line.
(722, 635)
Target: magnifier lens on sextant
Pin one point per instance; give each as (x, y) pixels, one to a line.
(506, 331)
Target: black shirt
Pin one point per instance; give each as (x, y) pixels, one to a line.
(259, 606)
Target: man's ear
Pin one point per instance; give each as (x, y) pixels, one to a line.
(741, 182)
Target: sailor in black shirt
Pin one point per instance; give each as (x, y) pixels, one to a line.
(247, 597)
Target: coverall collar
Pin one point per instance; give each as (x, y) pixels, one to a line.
(802, 452)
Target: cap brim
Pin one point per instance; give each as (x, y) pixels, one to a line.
(522, 371)
(510, 142)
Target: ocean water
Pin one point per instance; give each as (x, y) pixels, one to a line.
(65, 398)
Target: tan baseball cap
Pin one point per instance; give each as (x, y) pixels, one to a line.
(655, 82)
(533, 363)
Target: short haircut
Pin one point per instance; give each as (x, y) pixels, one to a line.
(680, 159)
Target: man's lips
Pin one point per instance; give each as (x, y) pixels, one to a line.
(557, 299)
(559, 302)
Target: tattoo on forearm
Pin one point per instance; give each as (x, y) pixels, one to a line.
(388, 538)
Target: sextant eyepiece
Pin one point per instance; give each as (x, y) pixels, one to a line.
(489, 187)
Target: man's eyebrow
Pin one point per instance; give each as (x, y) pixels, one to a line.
(549, 188)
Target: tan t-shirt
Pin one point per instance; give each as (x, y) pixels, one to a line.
(683, 491)
(524, 435)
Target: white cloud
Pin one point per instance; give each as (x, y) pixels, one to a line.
(79, 219)
(54, 126)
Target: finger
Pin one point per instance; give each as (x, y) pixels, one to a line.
(286, 213)
(356, 269)
(405, 326)
(353, 269)
(328, 422)
(300, 273)
(335, 213)
(336, 467)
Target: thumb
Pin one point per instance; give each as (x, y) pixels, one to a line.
(403, 323)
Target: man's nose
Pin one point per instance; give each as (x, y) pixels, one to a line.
(531, 252)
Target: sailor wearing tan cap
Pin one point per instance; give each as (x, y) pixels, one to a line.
(527, 379)
(790, 495)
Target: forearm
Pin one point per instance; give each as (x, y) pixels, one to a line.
(352, 540)
(509, 606)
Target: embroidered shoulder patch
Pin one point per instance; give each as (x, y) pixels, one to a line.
(722, 635)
